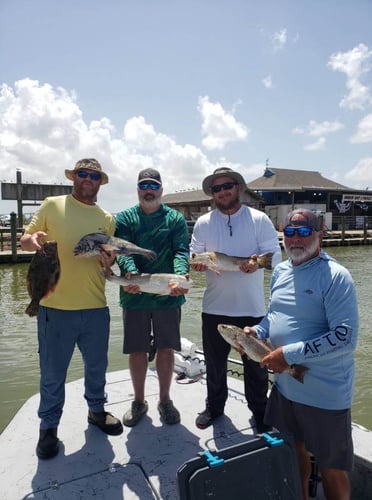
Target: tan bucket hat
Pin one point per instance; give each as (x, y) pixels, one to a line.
(87, 164)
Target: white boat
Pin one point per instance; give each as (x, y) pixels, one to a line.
(143, 462)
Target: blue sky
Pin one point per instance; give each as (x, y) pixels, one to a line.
(185, 86)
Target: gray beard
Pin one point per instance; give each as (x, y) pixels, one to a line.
(151, 204)
(301, 255)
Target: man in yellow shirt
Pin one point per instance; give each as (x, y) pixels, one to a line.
(76, 313)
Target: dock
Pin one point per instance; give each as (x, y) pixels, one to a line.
(330, 239)
(341, 238)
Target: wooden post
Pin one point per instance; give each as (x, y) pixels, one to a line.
(342, 228)
(365, 228)
(19, 198)
(13, 235)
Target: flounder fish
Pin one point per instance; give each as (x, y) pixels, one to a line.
(43, 275)
(217, 261)
(92, 244)
(159, 284)
(255, 348)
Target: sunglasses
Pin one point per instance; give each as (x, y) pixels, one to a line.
(303, 231)
(224, 186)
(146, 185)
(82, 174)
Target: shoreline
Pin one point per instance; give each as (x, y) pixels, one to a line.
(330, 239)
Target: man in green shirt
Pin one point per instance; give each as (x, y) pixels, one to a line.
(152, 225)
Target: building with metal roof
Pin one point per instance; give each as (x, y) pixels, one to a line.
(278, 190)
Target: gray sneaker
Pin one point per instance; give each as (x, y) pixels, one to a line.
(168, 412)
(135, 413)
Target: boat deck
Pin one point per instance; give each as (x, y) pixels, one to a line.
(142, 463)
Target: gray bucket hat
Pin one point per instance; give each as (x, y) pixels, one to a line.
(221, 172)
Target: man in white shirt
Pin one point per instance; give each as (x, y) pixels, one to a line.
(232, 297)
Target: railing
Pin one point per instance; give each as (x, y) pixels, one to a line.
(6, 237)
(12, 237)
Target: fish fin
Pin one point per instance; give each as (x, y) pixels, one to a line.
(265, 260)
(298, 372)
(33, 308)
(151, 255)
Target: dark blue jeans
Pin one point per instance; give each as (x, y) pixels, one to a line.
(216, 351)
(58, 333)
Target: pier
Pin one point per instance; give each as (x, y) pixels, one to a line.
(11, 253)
(341, 238)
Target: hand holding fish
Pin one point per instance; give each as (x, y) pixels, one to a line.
(199, 266)
(250, 265)
(34, 241)
(107, 259)
(275, 361)
(131, 288)
(177, 290)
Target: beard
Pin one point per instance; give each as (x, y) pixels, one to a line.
(149, 201)
(227, 203)
(299, 253)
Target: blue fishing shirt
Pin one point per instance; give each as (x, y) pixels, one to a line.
(313, 314)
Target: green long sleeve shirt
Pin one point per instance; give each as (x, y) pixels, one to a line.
(165, 232)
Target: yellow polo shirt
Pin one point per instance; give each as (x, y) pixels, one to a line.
(66, 220)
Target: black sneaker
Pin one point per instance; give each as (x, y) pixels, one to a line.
(206, 418)
(47, 446)
(260, 425)
(106, 422)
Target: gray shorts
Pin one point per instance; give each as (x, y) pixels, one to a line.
(141, 324)
(325, 433)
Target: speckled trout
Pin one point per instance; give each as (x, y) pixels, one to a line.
(159, 284)
(255, 348)
(217, 261)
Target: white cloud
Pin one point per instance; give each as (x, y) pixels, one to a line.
(318, 145)
(316, 129)
(361, 174)
(219, 127)
(354, 63)
(279, 39)
(364, 132)
(267, 82)
(42, 132)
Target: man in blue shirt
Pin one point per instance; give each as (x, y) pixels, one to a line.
(312, 321)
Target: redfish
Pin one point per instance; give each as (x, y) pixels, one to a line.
(217, 261)
(255, 348)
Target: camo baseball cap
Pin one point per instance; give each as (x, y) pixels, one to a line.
(312, 220)
(149, 174)
(87, 164)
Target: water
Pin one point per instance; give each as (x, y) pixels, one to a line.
(19, 370)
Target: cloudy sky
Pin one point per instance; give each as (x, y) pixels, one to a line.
(184, 86)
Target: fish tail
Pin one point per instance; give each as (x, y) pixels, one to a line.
(33, 308)
(298, 372)
(265, 261)
(150, 255)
